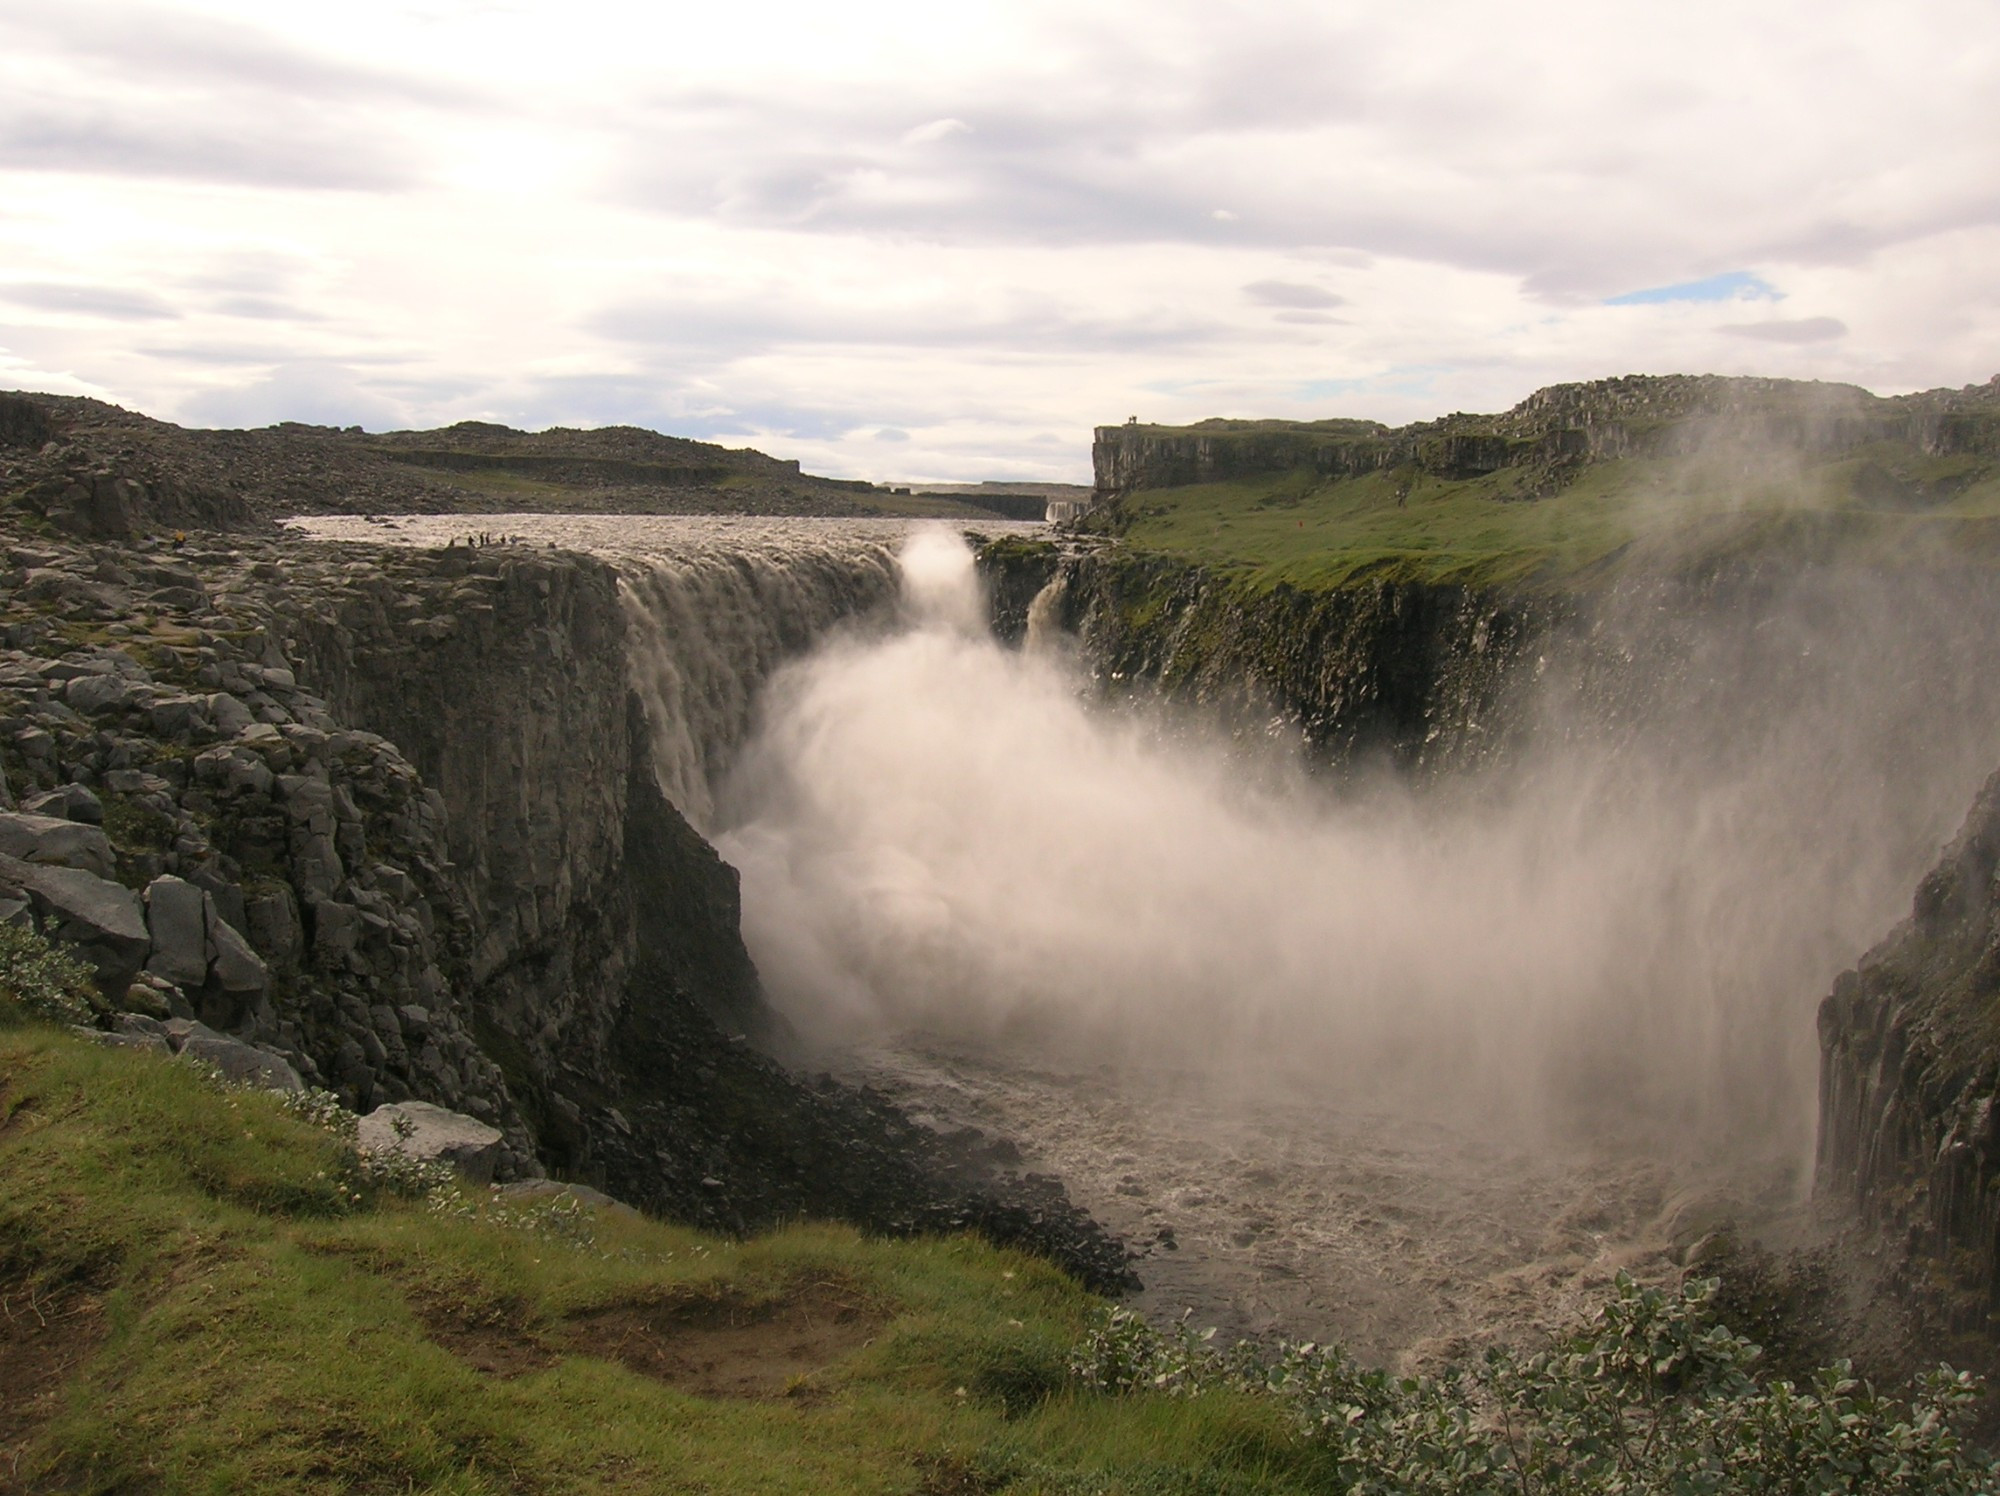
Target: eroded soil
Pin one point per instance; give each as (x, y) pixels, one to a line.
(725, 1345)
(731, 1346)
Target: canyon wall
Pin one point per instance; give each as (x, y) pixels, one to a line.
(1419, 676)
(1910, 1080)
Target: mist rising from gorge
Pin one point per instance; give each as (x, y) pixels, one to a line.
(1622, 927)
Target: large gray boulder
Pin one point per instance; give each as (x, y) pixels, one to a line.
(56, 842)
(177, 920)
(103, 920)
(432, 1134)
(69, 802)
(229, 715)
(535, 1191)
(245, 1064)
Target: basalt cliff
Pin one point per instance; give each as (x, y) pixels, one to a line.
(392, 820)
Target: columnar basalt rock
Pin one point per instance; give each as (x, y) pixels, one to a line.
(1910, 1080)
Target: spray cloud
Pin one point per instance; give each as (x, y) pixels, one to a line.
(1623, 928)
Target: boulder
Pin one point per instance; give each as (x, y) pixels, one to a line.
(98, 695)
(536, 1190)
(336, 930)
(273, 920)
(55, 842)
(229, 715)
(149, 1043)
(245, 1064)
(180, 717)
(102, 919)
(71, 802)
(237, 968)
(177, 920)
(431, 1134)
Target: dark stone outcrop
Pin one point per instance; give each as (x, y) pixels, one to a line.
(1419, 674)
(1910, 1079)
(23, 422)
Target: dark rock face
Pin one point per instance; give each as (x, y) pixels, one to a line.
(23, 423)
(1416, 673)
(1909, 1074)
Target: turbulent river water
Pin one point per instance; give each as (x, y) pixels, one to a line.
(1409, 1069)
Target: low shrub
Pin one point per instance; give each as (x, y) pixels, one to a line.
(1652, 1399)
(43, 980)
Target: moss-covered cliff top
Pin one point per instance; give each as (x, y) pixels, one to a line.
(1575, 484)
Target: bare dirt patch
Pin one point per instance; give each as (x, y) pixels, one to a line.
(730, 1345)
(45, 1335)
(495, 1337)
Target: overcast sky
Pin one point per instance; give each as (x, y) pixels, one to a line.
(944, 240)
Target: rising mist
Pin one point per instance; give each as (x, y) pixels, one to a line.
(1621, 927)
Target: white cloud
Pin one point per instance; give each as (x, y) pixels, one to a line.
(937, 129)
(727, 221)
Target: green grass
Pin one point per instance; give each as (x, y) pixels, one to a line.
(234, 1309)
(1882, 507)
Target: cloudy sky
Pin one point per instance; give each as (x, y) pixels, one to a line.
(944, 240)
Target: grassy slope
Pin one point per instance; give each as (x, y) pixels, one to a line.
(195, 1300)
(1299, 528)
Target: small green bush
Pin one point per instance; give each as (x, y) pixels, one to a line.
(43, 980)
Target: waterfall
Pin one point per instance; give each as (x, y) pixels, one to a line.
(709, 623)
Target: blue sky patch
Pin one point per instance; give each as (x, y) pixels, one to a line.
(1731, 285)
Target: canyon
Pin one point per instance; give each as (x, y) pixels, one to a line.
(455, 786)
